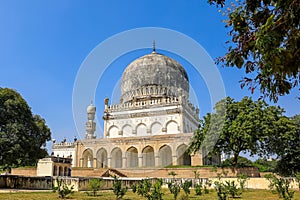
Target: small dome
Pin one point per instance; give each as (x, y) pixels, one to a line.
(156, 74)
(91, 108)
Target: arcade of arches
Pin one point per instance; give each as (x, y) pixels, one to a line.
(158, 151)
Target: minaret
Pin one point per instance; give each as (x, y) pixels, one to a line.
(90, 126)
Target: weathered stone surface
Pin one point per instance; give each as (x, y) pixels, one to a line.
(154, 70)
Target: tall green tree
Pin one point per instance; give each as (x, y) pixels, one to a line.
(22, 134)
(247, 126)
(265, 41)
(287, 147)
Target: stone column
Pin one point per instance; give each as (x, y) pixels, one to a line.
(156, 161)
(196, 159)
(81, 162)
(95, 163)
(174, 160)
(108, 162)
(140, 164)
(124, 159)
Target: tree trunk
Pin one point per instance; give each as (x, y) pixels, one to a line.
(235, 159)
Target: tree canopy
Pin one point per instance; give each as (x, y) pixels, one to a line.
(22, 134)
(287, 147)
(248, 126)
(265, 41)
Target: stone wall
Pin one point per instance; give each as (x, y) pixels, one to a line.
(25, 182)
(189, 172)
(47, 183)
(31, 171)
(81, 183)
(164, 172)
(88, 172)
(256, 183)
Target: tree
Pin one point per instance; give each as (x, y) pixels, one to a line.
(22, 134)
(241, 162)
(265, 165)
(62, 189)
(95, 185)
(247, 126)
(118, 190)
(265, 41)
(287, 147)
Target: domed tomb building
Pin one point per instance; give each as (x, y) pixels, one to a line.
(151, 126)
(154, 100)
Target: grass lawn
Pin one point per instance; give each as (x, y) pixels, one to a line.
(108, 195)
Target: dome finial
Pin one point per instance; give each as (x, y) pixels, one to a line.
(153, 47)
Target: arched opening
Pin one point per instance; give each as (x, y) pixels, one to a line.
(87, 158)
(101, 158)
(116, 158)
(156, 128)
(148, 157)
(113, 131)
(172, 127)
(127, 130)
(165, 156)
(141, 130)
(183, 158)
(132, 157)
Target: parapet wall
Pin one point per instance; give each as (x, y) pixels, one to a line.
(81, 184)
(189, 172)
(88, 172)
(32, 171)
(164, 172)
(25, 182)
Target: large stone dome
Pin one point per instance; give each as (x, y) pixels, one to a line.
(153, 75)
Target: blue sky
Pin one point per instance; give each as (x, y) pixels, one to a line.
(43, 44)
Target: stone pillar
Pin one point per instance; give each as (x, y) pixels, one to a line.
(95, 163)
(140, 164)
(156, 159)
(124, 159)
(174, 160)
(108, 162)
(81, 162)
(196, 159)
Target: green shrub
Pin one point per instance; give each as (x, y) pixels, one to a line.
(62, 189)
(172, 173)
(146, 190)
(143, 189)
(198, 189)
(232, 189)
(229, 188)
(156, 192)
(221, 190)
(117, 188)
(264, 165)
(241, 162)
(186, 187)
(133, 187)
(206, 186)
(174, 189)
(95, 185)
(280, 186)
(242, 179)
